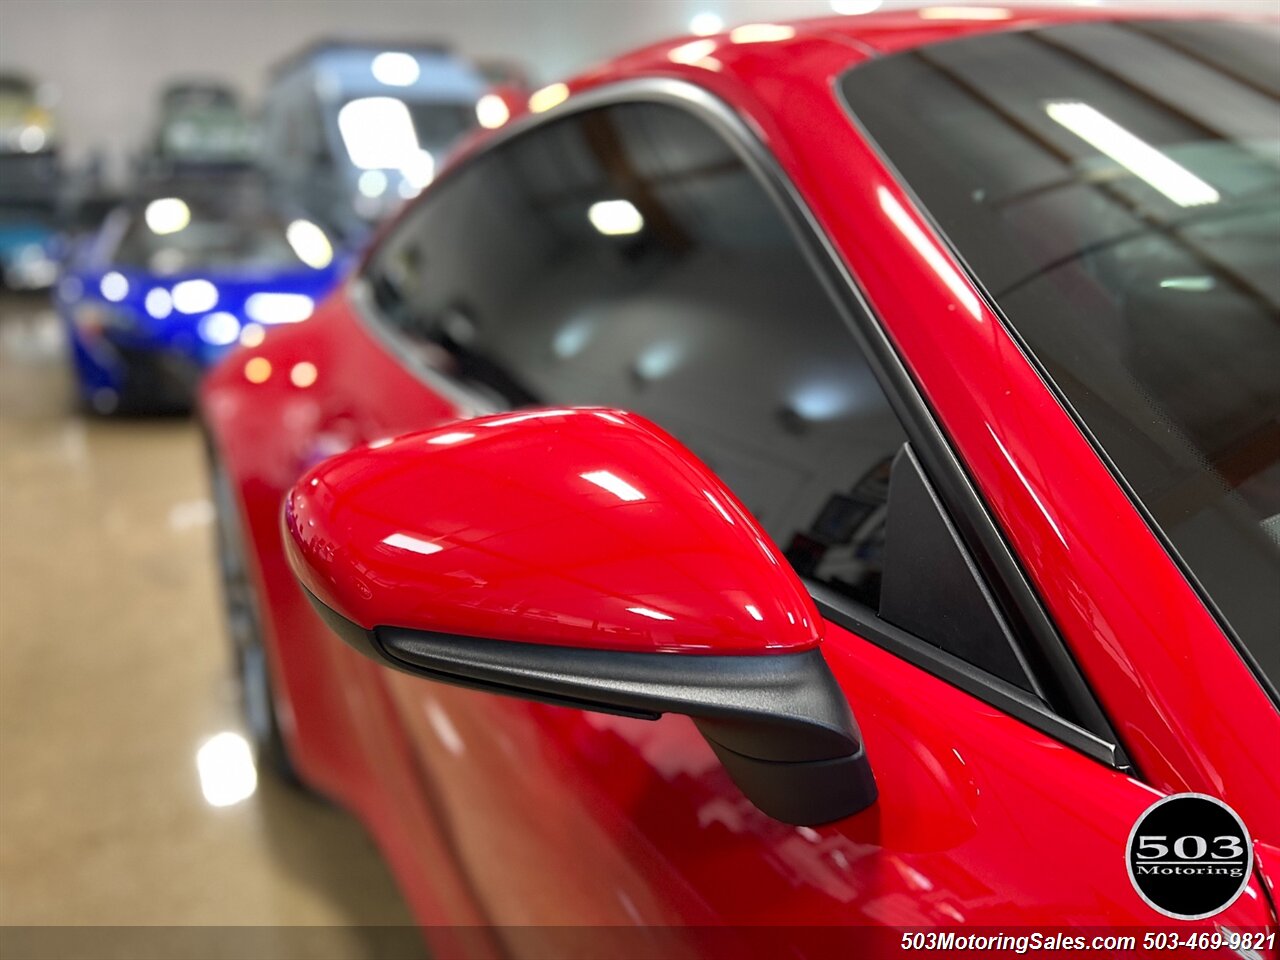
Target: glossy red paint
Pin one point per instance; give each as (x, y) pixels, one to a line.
(495, 811)
(570, 527)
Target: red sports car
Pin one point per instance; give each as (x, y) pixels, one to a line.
(821, 480)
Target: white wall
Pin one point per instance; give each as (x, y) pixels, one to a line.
(108, 58)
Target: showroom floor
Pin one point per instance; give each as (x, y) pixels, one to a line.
(114, 672)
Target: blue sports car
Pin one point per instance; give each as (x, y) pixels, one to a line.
(173, 281)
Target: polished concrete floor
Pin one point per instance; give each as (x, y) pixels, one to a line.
(113, 674)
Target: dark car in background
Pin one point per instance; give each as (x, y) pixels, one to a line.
(199, 125)
(29, 185)
(352, 130)
(176, 277)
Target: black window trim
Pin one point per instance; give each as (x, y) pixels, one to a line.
(1269, 688)
(1068, 712)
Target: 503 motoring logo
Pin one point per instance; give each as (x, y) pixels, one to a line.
(1189, 856)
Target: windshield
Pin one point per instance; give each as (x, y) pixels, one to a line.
(1116, 189)
(170, 235)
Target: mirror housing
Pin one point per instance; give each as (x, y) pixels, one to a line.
(583, 557)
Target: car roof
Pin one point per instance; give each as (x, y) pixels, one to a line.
(900, 29)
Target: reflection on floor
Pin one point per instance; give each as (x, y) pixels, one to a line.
(114, 671)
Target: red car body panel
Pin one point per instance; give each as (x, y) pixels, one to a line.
(495, 811)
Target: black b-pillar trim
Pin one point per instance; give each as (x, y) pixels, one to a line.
(778, 722)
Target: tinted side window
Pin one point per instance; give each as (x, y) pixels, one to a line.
(627, 257)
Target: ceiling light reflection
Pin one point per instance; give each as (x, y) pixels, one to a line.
(404, 541)
(912, 232)
(492, 111)
(303, 374)
(445, 439)
(651, 614)
(114, 286)
(659, 359)
(570, 339)
(227, 772)
(252, 335)
(167, 215)
(396, 69)
(716, 503)
(310, 244)
(279, 307)
(614, 484)
(158, 302)
(692, 52)
(378, 133)
(853, 8)
(548, 97)
(761, 33)
(195, 296)
(615, 218)
(1133, 153)
(372, 184)
(257, 370)
(706, 23)
(219, 329)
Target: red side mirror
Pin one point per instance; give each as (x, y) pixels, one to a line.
(583, 557)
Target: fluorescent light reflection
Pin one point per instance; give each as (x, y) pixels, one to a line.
(570, 339)
(227, 772)
(378, 133)
(927, 249)
(252, 335)
(761, 33)
(853, 8)
(659, 359)
(303, 374)
(1133, 153)
(279, 307)
(754, 611)
(492, 111)
(716, 503)
(114, 286)
(615, 218)
(614, 484)
(404, 541)
(396, 69)
(548, 97)
(195, 296)
(1188, 284)
(651, 614)
(219, 329)
(706, 23)
(257, 369)
(445, 439)
(158, 302)
(167, 215)
(692, 52)
(372, 184)
(310, 244)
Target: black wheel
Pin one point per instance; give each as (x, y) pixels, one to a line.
(244, 629)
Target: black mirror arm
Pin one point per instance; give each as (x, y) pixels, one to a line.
(778, 722)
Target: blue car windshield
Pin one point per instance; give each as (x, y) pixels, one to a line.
(1115, 187)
